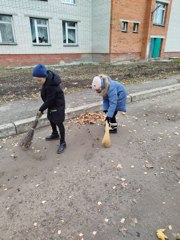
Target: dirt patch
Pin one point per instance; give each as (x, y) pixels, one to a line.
(18, 84)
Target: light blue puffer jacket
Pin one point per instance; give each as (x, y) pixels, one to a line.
(115, 99)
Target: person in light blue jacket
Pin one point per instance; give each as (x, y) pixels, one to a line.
(114, 98)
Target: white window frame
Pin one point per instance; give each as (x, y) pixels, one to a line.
(36, 25)
(136, 25)
(13, 33)
(69, 1)
(66, 33)
(124, 26)
(160, 10)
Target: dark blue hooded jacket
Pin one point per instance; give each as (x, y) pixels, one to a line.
(53, 98)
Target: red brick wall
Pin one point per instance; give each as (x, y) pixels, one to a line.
(128, 42)
(14, 60)
(33, 59)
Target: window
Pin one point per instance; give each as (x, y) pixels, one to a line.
(135, 27)
(159, 13)
(6, 30)
(39, 31)
(124, 26)
(69, 1)
(69, 33)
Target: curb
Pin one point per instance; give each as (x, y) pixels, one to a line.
(20, 126)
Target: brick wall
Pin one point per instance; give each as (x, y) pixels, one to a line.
(129, 42)
(14, 60)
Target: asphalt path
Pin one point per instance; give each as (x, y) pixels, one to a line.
(127, 191)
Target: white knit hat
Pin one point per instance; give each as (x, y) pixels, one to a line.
(96, 83)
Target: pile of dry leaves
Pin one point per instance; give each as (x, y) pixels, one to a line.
(89, 118)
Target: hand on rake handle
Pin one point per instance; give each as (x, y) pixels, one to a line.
(108, 119)
(39, 114)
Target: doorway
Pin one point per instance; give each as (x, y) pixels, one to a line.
(155, 47)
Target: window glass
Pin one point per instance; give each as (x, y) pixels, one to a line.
(6, 30)
(124, 26)
(69, 33)
(159, 13)
(135, 27)
(39, 31)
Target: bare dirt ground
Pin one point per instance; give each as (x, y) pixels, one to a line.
(17, 83)
(127, 191)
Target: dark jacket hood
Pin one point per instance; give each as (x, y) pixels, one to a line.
(52, 79)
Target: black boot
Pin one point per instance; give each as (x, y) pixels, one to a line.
(61, 148)
(113, 127)
(53, 136)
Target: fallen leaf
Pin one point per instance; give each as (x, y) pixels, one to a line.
(106, 220)
(170, 227)
(122, 220)
(119, 166)
(123, 230)
(149, 165)
(160, 234)
(138, 190)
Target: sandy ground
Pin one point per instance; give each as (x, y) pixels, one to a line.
(82, 194)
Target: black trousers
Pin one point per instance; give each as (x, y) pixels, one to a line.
(113, 119)
(61, 130)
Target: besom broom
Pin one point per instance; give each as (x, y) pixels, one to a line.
(106, 142)
(26, 141)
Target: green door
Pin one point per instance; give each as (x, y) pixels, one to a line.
(155, 47)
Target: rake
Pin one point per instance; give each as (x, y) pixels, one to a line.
(26, 141)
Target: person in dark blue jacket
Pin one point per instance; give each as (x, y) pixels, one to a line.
(114, 98)
(54, 101)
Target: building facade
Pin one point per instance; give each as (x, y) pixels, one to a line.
(139, 28)
(67, 31)
(172, 47)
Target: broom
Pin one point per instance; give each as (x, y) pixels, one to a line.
(106, 142)
(26, 141)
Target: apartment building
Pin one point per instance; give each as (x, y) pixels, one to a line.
(172, 47)
(52, 31)
(67, 31)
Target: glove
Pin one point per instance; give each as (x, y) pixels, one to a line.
(39, 114)
(108, 119)
(105, 111)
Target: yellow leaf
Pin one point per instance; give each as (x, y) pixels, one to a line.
(161, 235)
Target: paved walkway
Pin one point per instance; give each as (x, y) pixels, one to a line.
(22, 109)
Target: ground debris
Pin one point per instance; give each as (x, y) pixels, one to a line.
(160, 234)
(89, 118)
